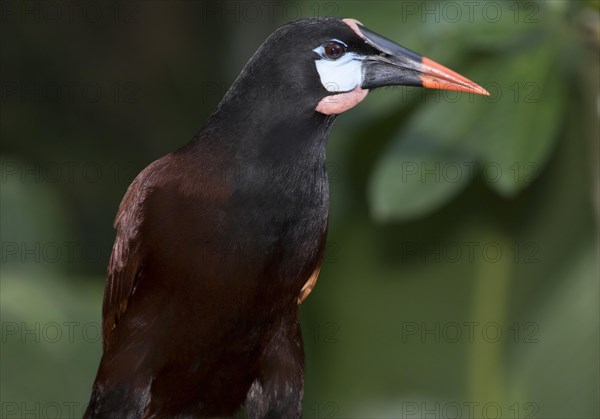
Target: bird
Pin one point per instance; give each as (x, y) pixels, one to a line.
(218, 242)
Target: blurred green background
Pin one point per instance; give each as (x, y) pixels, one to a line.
(461, 278)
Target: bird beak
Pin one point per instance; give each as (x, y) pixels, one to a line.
(397, 65)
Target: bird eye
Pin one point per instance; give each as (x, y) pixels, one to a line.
(334, 50)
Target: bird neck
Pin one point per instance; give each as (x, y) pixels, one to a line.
(257, 124)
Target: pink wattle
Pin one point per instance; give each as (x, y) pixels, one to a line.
(336, 104)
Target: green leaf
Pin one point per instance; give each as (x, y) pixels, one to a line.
(510, 134)
(416, 178)
(429, 161)
(516, 135)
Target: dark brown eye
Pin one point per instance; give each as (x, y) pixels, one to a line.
(334, 50)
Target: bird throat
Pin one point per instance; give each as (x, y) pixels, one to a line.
(341, 102)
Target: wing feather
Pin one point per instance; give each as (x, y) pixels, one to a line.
(125, 263)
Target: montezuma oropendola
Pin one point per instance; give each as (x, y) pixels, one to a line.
(218, 242)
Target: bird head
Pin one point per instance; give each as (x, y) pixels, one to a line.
(331, 64)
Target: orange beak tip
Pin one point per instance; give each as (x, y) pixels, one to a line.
(467, 86)
(437, 76)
